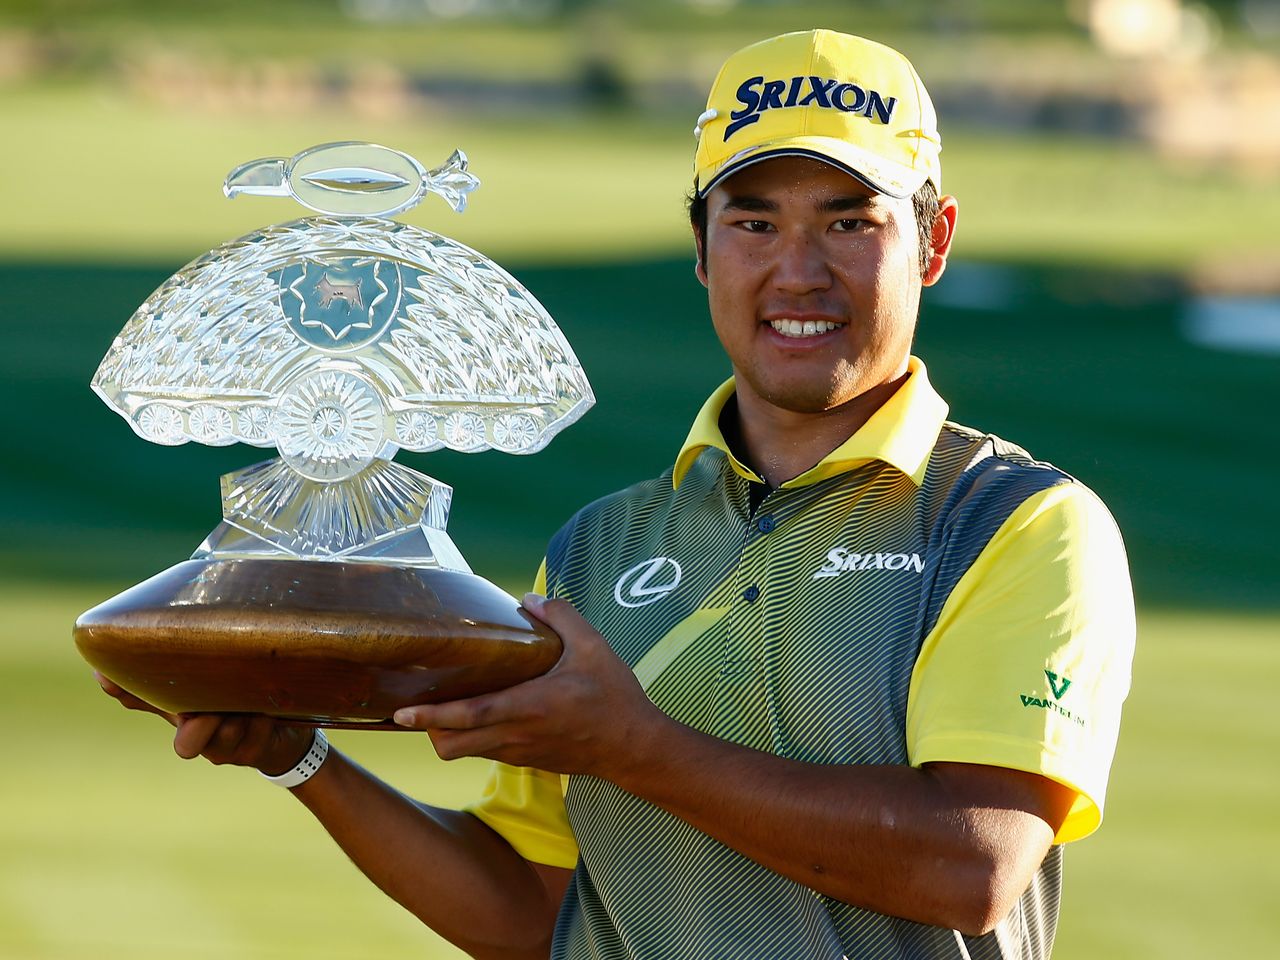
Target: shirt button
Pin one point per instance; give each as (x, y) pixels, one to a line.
(751, 593)
(766, 524)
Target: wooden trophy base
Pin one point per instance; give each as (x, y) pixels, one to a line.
(328, 643)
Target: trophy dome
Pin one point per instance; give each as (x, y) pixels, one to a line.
(337, 339)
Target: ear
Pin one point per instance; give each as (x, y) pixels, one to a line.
(944, 231)
(700, 250)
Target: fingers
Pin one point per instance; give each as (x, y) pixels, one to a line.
(194, 734)
(257, 739)
(128, 700)
(505, 743)
(249, 740)
(482, 711)
(238, 739)
(572, 719)
(536, 604)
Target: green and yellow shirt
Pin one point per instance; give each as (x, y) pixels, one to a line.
(925, 593)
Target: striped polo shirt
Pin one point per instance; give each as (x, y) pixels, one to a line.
(925, 593)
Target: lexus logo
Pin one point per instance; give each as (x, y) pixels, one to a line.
(647, 582)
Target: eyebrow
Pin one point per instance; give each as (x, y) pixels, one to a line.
(840, 204)
(750, 204)
(852, 202)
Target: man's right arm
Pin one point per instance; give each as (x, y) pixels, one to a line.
(446, 867)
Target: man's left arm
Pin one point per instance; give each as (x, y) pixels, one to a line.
(948, 844)
(951, 844)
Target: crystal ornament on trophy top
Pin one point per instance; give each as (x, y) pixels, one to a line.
(337, 339)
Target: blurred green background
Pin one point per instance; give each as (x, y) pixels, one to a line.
(1113, 305)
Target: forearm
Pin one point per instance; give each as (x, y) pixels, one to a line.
(893, 839)
(444, 866)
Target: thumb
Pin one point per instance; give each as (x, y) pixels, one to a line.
(560, 616)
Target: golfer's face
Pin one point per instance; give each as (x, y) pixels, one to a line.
(813, 280)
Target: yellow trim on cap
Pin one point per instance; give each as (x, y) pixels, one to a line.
(901, 433)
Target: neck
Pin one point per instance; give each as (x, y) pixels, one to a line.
(781, 444)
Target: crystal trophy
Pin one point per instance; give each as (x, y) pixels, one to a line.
(330, 592)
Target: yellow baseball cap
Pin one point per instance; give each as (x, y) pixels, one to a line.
(850, 102)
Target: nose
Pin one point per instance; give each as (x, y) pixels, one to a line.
(801, 265)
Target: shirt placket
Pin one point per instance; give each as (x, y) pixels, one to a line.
(743, 704)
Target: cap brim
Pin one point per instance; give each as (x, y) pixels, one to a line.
(882, 176)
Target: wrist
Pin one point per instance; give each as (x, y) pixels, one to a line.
(647, 755)
(306, 767)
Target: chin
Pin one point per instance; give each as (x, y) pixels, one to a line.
(809, 398)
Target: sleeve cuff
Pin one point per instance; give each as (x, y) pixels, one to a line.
(1085, 815)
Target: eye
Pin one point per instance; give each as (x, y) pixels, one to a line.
(850, 225)
(755, 226)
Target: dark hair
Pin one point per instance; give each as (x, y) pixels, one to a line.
(924, 202)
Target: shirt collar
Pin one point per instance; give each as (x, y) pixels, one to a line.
(901, 433)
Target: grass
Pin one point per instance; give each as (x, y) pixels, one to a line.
(152, 189)
(153, 856)
(1182, 866)
(108, 177)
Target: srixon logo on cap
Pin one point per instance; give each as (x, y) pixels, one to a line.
(758, 95)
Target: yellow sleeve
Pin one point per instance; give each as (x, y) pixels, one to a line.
(1029, 662)
(526, 806)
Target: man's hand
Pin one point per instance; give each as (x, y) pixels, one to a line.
(585, 715)
(245, 741)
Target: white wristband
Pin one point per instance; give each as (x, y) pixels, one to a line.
(307, 766)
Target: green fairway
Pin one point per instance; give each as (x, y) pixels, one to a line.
(111, 847)
(120, 180)
(1184, 863)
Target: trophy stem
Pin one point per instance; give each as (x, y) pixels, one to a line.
(386, 513)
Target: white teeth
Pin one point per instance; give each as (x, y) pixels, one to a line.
(806, 328)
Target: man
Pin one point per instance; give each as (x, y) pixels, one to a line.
(839, 683)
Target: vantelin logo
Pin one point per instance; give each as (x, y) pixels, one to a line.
(840, 560)
(1059, 685)
(647, 582)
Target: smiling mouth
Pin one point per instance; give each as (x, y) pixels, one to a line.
(799, 329)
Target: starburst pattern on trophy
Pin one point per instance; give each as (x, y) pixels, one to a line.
(464, 431)
(276, 503)
(210, 424)
(329, 425)
(161, 423)
(415, 429)
(255, 423)
(514, 431)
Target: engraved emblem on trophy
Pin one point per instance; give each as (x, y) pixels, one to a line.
(331, 592)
